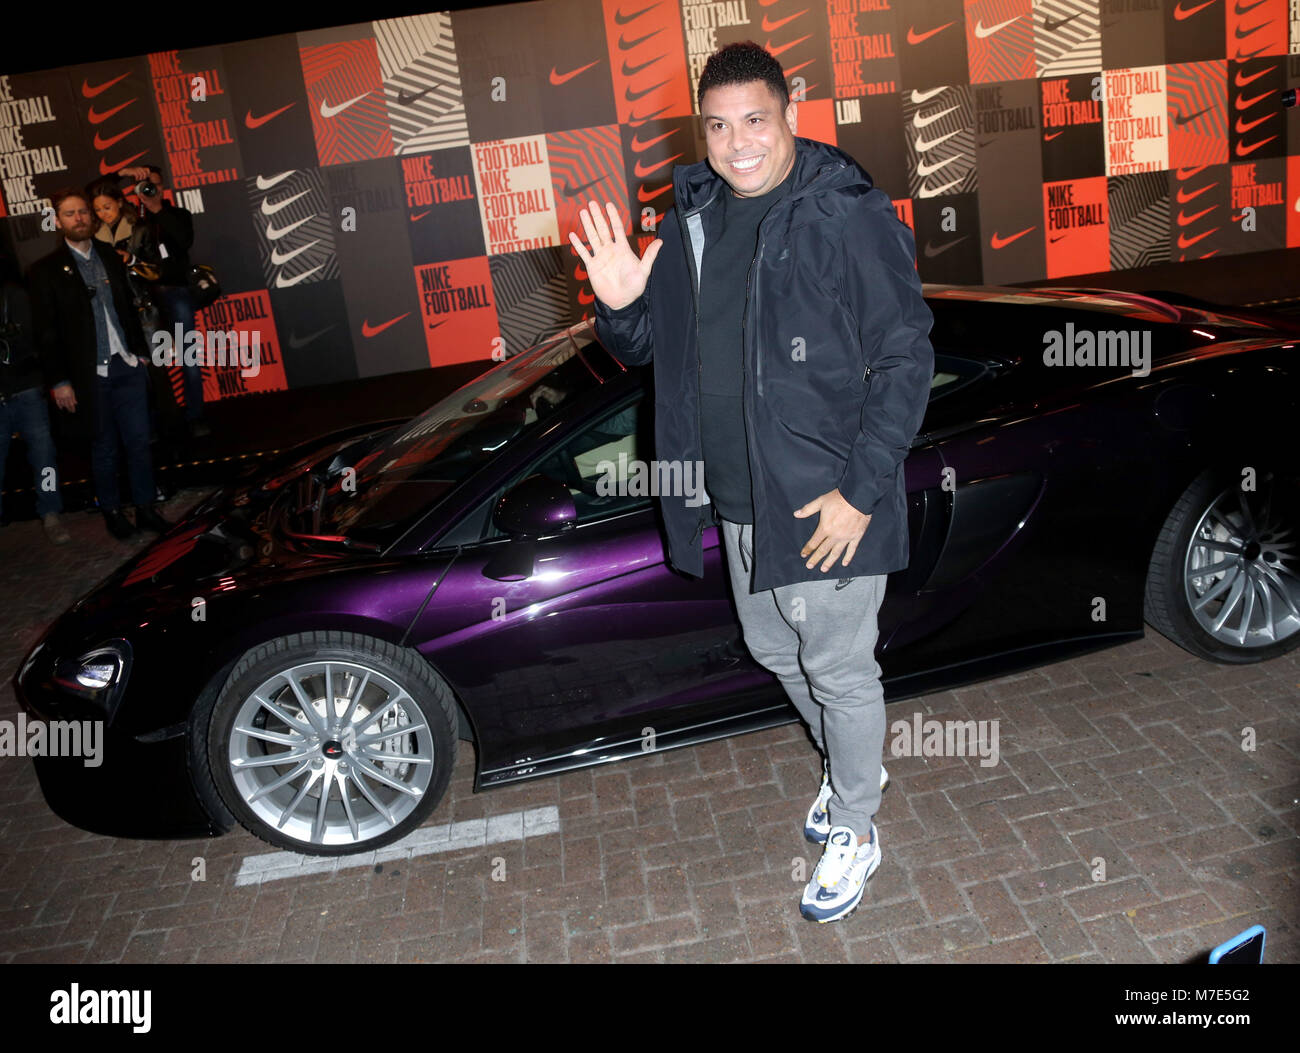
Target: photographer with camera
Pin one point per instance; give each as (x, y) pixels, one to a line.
(171, 229)
(22, 402)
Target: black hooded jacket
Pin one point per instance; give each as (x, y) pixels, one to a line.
(837, 361)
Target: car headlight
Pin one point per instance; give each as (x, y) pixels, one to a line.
(97, 675)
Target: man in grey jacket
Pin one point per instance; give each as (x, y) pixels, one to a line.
(792, 355)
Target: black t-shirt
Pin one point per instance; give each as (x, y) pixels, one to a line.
(724, 292)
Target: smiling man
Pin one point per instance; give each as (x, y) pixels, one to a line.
(792, 355)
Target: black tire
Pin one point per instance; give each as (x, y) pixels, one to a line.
(419, 721)
(1168, 607)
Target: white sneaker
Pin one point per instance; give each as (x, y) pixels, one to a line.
(818, 824)
(835, 889)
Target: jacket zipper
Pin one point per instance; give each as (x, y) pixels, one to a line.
(699, 369)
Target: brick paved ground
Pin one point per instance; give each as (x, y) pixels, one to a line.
(1129, 759)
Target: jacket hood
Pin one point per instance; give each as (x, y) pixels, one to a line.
(695, 184)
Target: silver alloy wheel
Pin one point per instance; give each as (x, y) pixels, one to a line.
(1240, 572)
(331, 753)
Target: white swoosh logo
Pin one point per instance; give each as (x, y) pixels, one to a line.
(266, 184)
(981, 32)
(922, 146)
(923, 122)
(326, 110)
(919, 97)
(281, 282)
(923, 169)
(271, 210)
(278, 258)
(276, 235)
(937, 190)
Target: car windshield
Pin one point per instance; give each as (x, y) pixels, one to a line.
(396, 476)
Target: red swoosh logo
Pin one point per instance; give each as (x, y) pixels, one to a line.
(1002, 243)
(103, 144)
(644, 170)
(774, 51)
(107, 168)
(1244, 126)
(585, 297)
(1185, 221)
(1185, 242)
(1246, 151)
(771, 27)
(1048, 138)
(100, 118)
(647, 194)
(90, 92)
(560, 78)
(640, 146)
(368, 330)
(256, 122)
(416, 219)
(1182, 14)
(1245, 104)
(1243, 81)
(913, 37)
(1183, 198)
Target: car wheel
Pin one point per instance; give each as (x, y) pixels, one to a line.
(1224, 580)
(331, 743)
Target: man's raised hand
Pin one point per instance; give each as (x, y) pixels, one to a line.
(617, 276)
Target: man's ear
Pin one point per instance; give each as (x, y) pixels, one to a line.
(792, 117)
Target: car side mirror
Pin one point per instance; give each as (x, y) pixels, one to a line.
(538, 505)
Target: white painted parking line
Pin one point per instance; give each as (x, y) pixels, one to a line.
(495, 829)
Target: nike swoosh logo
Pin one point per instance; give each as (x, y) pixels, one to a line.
(256, 122)
(1244, 9)
(1241, 56)
(281, 282)
(924, 146)
(981, 31)
(275, 235)
(434, 325)
(1057, 238)
(280, 258)
(563, 78)
(936, 191)
(642, 171)
(919, 97)
(774, 50)
(266, 184)
(1051, 25)
(296, 341)
(270, 210)
(1185, 242)
(924, 170)
(1002, 243)
(931, 251)
(632, 96)
(571, 191)
(913, 37)
(771, 27)
(1244, 104)
(103, 144)
(405, 98)
(1184, 197)
(1180, 120)
(632, 71)
(368, 330)
(924, 122)
(1183, 13)
(112, 168)
(1185, 220)
(1243, 150)
(623, 19)
(1049, 136)
(1241, 81)
(647, 194)
(627, 45)
(842, 583)
(416, 219)
(326, 110)
(640, 147)
(99, 118)
(99, 89)
(1244, 126)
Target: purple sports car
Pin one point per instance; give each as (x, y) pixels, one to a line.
(305, 651)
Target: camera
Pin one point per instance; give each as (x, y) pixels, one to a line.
(146, 188)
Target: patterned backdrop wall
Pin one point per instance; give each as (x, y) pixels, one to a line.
(397, 194)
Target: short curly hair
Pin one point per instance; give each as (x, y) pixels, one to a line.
(740, 64)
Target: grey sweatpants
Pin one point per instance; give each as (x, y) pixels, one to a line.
(819, 639)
